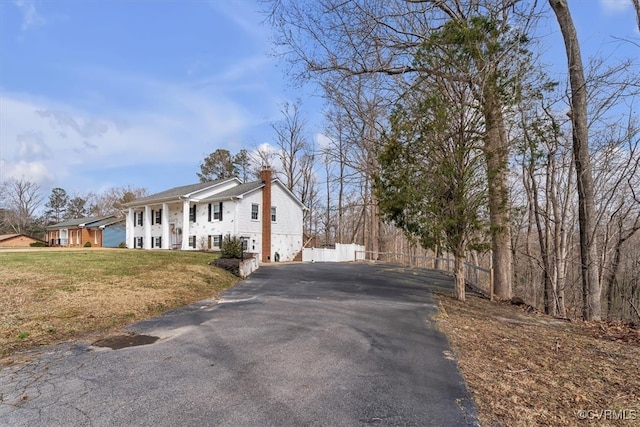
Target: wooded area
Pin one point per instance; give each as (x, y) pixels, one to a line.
(447, 134)
(423, 96)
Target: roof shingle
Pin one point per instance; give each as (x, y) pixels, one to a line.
(176, 192)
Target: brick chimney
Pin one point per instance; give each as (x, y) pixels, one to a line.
(265, 176)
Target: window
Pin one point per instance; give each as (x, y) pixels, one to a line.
(139, 245)
(140, 218)
(245, 242)
(273, 214)
(192, 241)
(215, 212)
(254, 212)
(157, 241)
(214, 241)
(156, 217)
(192, 214)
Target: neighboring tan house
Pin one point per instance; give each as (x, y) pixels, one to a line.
(17, 240)
(264, 214)
(99, 232)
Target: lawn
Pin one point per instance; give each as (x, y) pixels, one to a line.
(49, 296)
(528, 369)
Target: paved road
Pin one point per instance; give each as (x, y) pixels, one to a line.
(294, 345)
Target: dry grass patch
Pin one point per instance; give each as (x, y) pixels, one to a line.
(51, 296)
(528, 369)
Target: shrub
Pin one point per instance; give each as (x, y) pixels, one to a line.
(231, 265)
(37, 244)
(87, 245)
(231, 247)
(122, 245)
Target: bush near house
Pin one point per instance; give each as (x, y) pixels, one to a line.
(231, 255)
(231, 247)
(37, 244)
(87, 245)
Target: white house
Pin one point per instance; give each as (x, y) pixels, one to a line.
(264, 214)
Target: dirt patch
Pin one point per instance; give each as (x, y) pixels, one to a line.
(528, 369)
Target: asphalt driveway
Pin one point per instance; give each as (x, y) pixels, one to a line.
(294, 345)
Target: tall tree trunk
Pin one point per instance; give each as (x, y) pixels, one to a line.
(591, 309)
(549, 292)
(636, 5)
(496, 148)
(459, 273)
(560, 231)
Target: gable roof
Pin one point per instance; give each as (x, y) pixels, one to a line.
(84, 222)
(105, 222)
(176, 193)
(241, 190)
(235, 192)
(4, 237)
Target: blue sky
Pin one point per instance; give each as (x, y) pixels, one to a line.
(96, 94)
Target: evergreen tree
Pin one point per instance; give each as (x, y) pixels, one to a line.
(56, 206)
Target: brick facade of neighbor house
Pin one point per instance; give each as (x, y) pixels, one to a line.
(75, 233)
(17, 240)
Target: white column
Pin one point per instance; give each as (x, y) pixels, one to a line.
(185, 224)
(129, 228)
(166, 239)
(236, 210)
(147, 227)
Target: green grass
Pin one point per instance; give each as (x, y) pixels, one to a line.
(87, 263)
(48, 296)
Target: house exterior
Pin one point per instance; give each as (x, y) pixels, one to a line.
(98, 231)
(264, 214)
(17, 240)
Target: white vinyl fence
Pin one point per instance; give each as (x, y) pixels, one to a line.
(342, 253)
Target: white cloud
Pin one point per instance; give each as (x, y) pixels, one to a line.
(244, 15)
(36, 172)
(31, 17)
(615, 6)
(42, 139)
(322, 141)
(31, 147)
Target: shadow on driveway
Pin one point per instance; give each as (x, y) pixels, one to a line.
(295, 344)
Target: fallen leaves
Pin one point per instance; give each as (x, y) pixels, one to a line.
(525, 368)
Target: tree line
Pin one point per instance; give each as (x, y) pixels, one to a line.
(446, 134)
(445, 124)
(25, 208)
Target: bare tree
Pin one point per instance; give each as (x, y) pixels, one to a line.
(21, 199)
(592, 308)
(112, 201)
(333, 40)
(291, 143)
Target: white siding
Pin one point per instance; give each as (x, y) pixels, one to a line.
(286, 231)
(248, 228)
